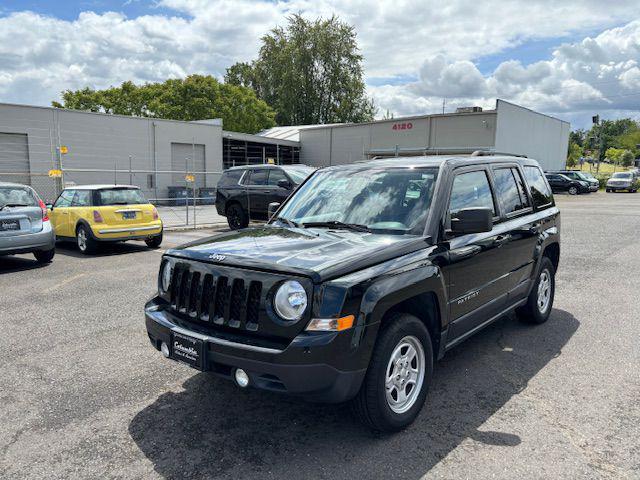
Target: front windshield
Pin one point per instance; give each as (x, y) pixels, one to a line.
(621, 175)
(588, 176)
(394, 200)
(121, 196)
(298, 175)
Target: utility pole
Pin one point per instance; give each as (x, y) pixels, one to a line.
(443, 103)
(596, 122)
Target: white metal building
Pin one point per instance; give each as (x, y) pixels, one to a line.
(508, 128)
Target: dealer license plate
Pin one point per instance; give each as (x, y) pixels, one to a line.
(188, 350)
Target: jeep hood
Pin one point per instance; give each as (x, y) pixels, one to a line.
(319, 253)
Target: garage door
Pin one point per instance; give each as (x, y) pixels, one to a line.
(14, 158)
(182, 160)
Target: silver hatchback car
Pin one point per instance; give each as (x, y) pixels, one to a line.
(24, 223)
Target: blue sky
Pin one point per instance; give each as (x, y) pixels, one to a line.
(69, 10)
(567, 58)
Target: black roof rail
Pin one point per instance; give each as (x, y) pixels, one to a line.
(486, 153)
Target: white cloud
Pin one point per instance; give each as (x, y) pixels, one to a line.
(434, 42)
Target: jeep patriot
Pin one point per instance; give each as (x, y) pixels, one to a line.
(362, 279)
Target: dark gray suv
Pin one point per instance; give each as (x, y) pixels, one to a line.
(24, 223)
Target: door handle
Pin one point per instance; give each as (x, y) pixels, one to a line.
(462, 253)
(501, 240)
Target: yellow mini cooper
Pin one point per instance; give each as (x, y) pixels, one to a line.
(92, 214)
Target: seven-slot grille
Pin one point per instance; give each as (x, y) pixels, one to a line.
(215, 298)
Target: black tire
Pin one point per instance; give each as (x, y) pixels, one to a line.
(532, 312)
(608, 190)
(237, 218)
(44, 256)
(85, 242)
(573, 190)
(154, 242)
(370, 405)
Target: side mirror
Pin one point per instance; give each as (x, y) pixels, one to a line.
(273, 207)
(284, 183)
(472, 220)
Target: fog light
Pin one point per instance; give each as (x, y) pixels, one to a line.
(164, 348)
(242, 379)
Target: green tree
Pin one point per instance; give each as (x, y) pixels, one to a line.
(627, 158)
(630, 141)
(614, 154)
(196, 97)
(607, 133)
(574, 154)
(310, 72)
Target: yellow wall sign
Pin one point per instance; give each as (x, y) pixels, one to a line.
(64, 150)
(271, 161)
(55, 173)
(190, 178)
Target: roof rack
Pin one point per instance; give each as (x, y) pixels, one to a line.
(486, 153)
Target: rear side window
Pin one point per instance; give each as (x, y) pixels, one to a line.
(17, 196)
(230, 178)
(510, 190)
(469, 190)
(539, 189)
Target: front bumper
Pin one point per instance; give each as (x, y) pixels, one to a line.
(43, 240)
(619, 187)
(593, 187)
(306, 367)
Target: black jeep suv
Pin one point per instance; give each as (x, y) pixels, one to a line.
(362, 279)
(244, 193)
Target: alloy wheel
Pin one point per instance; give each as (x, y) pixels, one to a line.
(544, 291)
(405, 374)
(82, 240)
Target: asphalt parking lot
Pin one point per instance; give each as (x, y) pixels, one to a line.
(84, 395)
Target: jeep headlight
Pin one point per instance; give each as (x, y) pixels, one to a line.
(290, 300)
(165, 277)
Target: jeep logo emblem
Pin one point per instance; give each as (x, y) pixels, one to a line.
(216, 257)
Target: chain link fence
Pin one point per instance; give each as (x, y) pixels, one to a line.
(184, 199)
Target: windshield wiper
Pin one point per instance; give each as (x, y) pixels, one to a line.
(337, 224)
(288, 222)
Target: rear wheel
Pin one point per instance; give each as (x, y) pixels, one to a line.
(398, 378)
(44, 256)
(154, 242)
(540, 301)
(573, 190)
(237, 217)
(86, 243)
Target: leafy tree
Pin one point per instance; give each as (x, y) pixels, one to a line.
(607, 133)
(196, 97)
(630, 141)
(627, 158)
(614, 154)
(574, 154)
(310, 72)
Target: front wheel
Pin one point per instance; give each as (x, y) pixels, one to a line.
(540, 301)
(154, 242)
(398, 378)
(573, 190)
